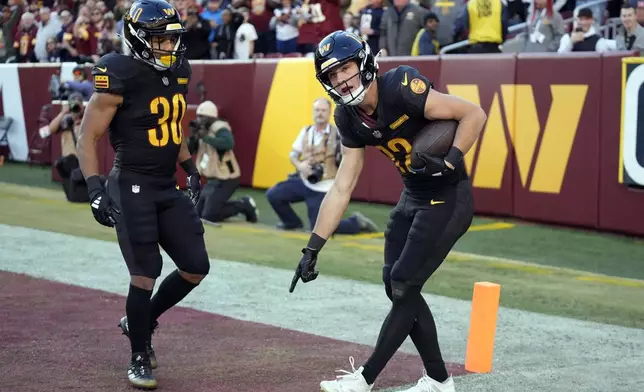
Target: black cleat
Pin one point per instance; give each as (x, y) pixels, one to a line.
(149, 348)
(252, 212)
(140, 372)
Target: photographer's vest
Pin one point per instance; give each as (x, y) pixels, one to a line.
(213, 163)
(69, 138)
(485, 21)
(324, 152)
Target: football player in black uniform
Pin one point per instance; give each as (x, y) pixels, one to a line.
(141, 100)
(435, 208)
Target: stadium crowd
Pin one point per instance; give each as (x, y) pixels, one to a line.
(83, 30)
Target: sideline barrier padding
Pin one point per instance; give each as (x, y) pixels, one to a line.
(549, 152)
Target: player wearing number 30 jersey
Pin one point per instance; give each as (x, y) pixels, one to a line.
(141, 100)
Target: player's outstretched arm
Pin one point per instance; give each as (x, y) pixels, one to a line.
(334, 204)
(471, 119)
(96, 120)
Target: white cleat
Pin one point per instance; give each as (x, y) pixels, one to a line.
(428, 384)
(348, 382)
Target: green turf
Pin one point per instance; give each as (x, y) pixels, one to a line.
(568, 292)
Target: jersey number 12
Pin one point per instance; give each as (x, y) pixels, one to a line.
(161, 106)
(393, 151)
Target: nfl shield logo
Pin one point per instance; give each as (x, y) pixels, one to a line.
(377, 134)
(136, 189)
(165, 80)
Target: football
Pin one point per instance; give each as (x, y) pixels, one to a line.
(435, 139)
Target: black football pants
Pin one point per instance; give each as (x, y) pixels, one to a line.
(420, 234)
(155, 212)
(215, 205)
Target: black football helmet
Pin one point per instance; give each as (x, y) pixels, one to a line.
(337, 49)
(154, 18)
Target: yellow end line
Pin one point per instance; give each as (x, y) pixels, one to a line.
(500, 262)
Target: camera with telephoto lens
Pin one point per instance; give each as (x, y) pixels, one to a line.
(67, 123)
(317, 171)
(75, 106)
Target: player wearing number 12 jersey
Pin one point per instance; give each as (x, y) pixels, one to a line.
(141, 100)
(435, 208)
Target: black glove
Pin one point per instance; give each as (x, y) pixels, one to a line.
(193, 179)
(306, 267)
(436, 166)
(104, 208)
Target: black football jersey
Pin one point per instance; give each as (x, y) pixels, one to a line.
(399, 116)
(146, 131)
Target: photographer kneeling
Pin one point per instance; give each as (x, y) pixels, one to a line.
(217, 163)
(316, 155)
(67, 124)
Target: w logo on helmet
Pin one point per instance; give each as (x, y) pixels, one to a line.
(325, 48)
(168, 11)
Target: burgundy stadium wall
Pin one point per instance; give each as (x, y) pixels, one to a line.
(549, 151)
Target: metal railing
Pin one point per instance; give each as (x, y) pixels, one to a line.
(522, 27)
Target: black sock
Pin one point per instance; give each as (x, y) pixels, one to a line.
(394, 331)
(424, 336)
(137, 309)
(173, 289)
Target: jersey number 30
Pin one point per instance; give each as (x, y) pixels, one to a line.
(160, 106)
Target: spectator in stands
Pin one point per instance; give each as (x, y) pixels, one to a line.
(632, 35)
(120, 8)
(85, 40)
(315, 154)
(224, 39)
(597, 10)
(284, 22)
(259, 16)
(196, 35)
(639, 12)
(108, 39)
(487, 22)
(448, 12)
(426, 42)
(348, 21)
(66, 39)
(307, 24)
(6, 26)
(53, 53)
(217, 163)
(245, 38)
(25, 40)
(48, 27)
(96, 20)
(212, 14)
(370, 19)
(318, 18)
(84, 12)
(34, 8)
(102, 7)
(585, 38)
(399, 27)
(545, 28)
